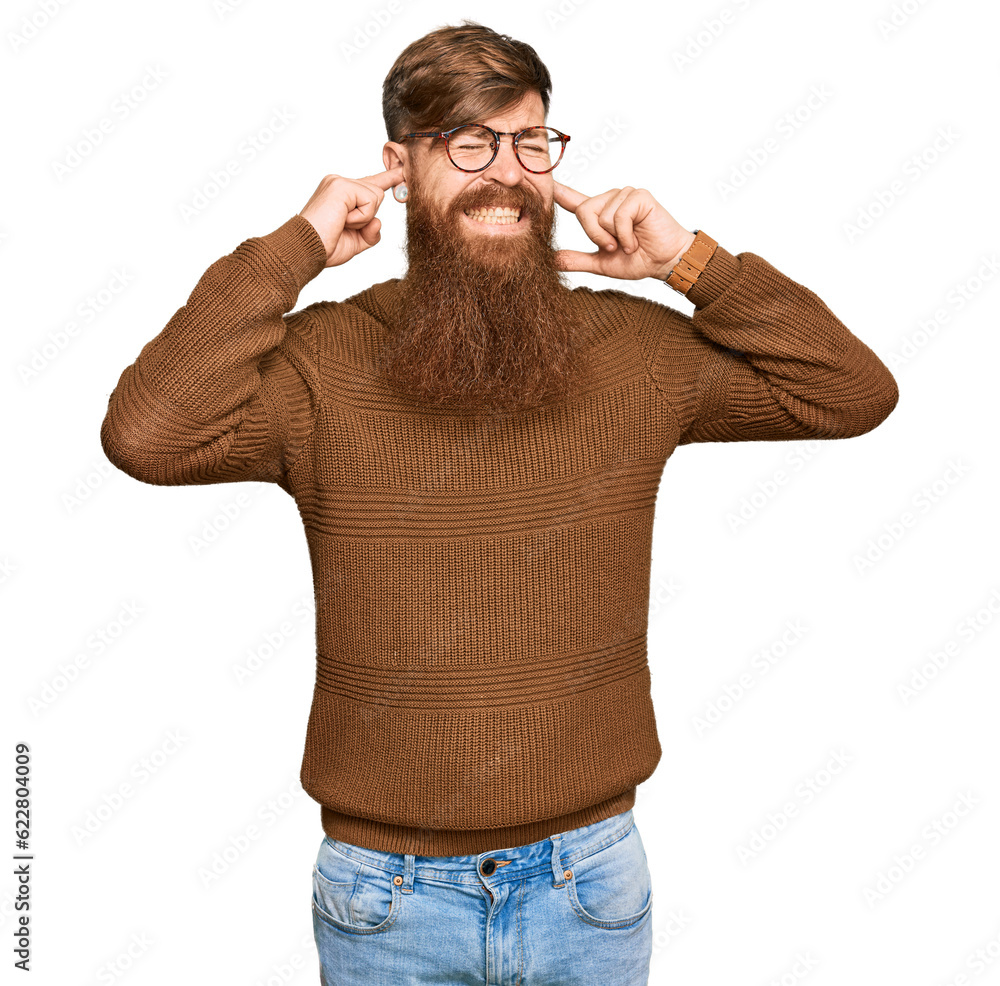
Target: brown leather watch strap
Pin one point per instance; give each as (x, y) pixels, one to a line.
(685, 272)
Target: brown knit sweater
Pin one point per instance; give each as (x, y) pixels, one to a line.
(482, 580)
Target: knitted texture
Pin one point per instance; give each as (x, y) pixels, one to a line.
(481, 579)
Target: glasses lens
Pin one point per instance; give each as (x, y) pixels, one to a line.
(471, 147)
(540, 149)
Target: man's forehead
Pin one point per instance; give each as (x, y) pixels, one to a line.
(526, 112)
(512, 125)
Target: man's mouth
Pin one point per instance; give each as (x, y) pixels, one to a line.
(495, 216)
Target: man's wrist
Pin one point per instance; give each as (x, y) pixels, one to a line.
(689, 266)
(667, 268)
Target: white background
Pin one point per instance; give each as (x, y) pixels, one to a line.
(82, 541)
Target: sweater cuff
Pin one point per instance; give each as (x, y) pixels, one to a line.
(719, 273)
(297, 248)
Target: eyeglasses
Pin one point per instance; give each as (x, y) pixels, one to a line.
(474, 147)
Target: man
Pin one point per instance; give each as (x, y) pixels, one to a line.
(475, 450)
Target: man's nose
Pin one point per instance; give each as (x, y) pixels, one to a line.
(505, 168)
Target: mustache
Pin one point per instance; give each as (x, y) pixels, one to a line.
(515, 198)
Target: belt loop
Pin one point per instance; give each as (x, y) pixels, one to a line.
(557, 866)
(408, 867)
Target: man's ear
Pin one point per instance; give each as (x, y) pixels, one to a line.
(393, 155)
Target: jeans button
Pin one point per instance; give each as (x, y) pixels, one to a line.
(487, 866)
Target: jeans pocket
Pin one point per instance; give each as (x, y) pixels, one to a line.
(612, 887)
(351, 894)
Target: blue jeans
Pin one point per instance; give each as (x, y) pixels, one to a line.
(573, 908)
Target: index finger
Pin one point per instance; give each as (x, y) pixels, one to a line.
(568, 198)
(385, 179)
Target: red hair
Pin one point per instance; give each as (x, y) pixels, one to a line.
(457, 75)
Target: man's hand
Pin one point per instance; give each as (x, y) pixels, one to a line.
(637, 236)
(342, 210)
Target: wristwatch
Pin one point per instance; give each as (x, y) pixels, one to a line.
(685, 272)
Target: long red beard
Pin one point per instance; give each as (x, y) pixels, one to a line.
(488, 319)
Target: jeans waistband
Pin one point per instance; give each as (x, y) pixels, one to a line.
(554, 853)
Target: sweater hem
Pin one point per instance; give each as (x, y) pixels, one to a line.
(386, 837)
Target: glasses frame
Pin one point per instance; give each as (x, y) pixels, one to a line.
(445, 135)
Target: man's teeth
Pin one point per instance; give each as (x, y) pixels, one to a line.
(495, 217)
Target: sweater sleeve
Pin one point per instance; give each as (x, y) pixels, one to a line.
(762, 358)
(229, 390)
